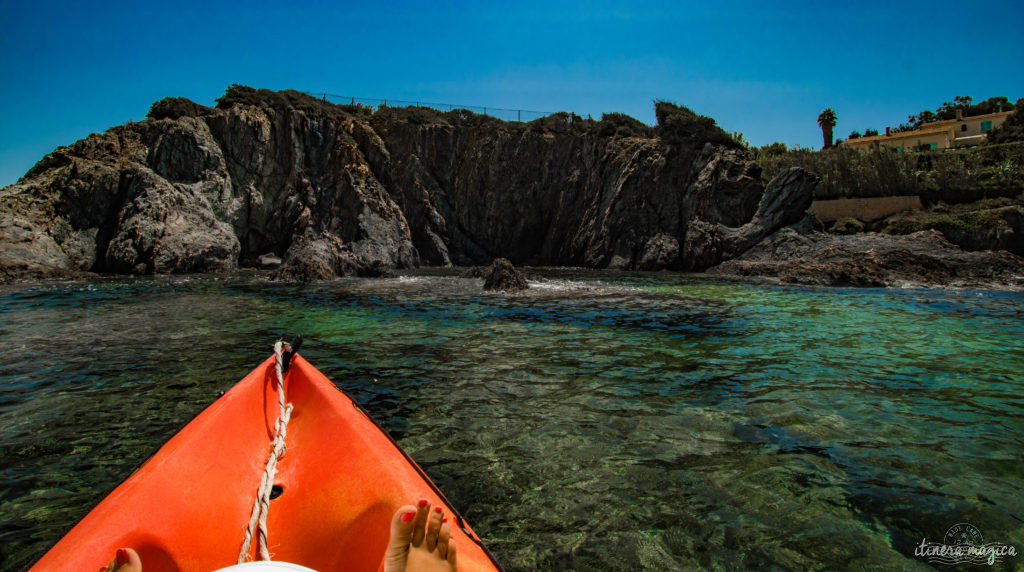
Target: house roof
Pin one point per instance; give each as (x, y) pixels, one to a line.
(902, 135)
(927, 129)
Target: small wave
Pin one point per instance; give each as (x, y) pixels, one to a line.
(560, 285)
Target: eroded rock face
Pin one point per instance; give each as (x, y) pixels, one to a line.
(208, 189)
(784, 202)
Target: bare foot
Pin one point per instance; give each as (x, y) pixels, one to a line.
(420, 541)
(126, 560)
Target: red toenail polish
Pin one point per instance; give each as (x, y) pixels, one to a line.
(122, 556)
(444, 520)
(423, 502)
(437, 509)
(407, 516)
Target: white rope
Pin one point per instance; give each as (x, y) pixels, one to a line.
(261, 504)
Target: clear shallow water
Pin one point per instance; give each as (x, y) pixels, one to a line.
(601, 421)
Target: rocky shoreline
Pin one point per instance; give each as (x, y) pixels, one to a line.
(923, 259)
(343, 190)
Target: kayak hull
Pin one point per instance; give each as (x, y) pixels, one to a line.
(187, 507)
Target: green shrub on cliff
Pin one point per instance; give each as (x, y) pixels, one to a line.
(843, 171)
(848, 225)
(289, 98)
(245, 95)
(237, 94)
(610, 125)
(414, 115)
(175, 107)
(357, 110)
(771, 150)
(622, 125)
(562, 122)
(467, 117)
(679, 124)
(905, 224)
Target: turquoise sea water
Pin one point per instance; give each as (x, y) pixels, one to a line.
(600, 421)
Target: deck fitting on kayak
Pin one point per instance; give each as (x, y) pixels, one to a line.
(276, 491)
(288, 350)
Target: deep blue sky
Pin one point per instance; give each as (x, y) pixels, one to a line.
(765, 69)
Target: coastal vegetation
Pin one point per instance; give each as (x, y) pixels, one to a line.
(949, 175)
(174, 107)
(680, 124)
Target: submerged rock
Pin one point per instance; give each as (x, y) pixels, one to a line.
(501, 275)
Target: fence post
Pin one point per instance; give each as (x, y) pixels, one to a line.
(353, 101)
(485, 111)
(519, 115)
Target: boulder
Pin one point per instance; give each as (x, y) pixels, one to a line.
(269, 260)
(501, 275)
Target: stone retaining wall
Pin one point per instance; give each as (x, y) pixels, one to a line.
(864, 209)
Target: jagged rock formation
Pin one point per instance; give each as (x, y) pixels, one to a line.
(339, 190)
(800, 256)
(785, 200)
(501, 275)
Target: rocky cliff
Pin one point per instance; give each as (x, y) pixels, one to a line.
(342, 189)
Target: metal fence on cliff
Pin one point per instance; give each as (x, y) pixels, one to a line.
(499, 112)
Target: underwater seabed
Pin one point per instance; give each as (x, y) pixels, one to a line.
(600, 420)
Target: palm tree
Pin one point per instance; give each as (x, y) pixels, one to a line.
(827, 120)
